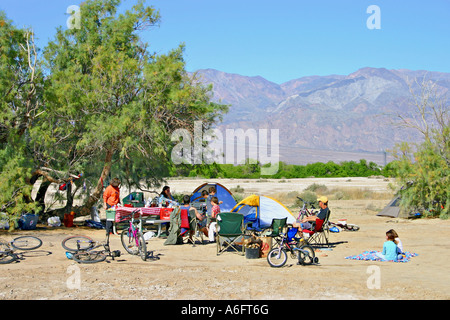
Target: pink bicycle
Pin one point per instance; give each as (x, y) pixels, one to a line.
(132, 238)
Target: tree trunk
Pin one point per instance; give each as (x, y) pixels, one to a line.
(69, 202)
(98, 191)
(40, 196)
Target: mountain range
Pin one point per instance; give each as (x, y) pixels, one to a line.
(323, 118)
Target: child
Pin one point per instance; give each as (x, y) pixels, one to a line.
(212, 192)
(390, 249)
(397, 240)
(215, 210)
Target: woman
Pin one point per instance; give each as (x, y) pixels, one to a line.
(165, 196)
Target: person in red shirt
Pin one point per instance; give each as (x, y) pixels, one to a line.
(111, 196)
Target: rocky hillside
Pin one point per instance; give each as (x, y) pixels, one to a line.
(335, 114)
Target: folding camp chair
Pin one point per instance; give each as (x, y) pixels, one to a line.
(184, 226)
(320, 232)
(276, 229)
(230, 229)
(195, 234)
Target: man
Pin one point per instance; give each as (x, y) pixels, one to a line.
(306, 223)
(111, 196)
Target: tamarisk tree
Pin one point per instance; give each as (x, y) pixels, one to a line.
(423, 169)
(98, 103)
(118, 101)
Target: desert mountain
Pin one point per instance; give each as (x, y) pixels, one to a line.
(335, 117)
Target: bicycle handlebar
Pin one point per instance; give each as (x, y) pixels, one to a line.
(307, 202)
(131, 215)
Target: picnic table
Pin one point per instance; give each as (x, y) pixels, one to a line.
(153, 215)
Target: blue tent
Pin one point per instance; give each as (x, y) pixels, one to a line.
(222, 193)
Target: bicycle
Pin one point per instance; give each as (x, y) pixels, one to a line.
(132, 238)
(298, 248)
(304, 212)
(25, 243)
(82, 249)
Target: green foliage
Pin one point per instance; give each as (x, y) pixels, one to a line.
(425, 180)
(107, 105)
(20, 106)
(285, 171)
(15, 192)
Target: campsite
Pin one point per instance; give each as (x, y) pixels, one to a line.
(186, 272)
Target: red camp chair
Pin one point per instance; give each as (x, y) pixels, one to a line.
(319, 235)
(184, 222)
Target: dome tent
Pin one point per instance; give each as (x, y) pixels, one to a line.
(260, 210)
(222, 193)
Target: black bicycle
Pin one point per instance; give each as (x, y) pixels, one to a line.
(299, 249)
(25, 243)
(82, 249)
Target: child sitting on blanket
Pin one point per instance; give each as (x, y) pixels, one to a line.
(397, 241)
(390, 250)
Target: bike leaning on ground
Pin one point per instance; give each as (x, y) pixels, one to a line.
(82, 249)
(25, 243)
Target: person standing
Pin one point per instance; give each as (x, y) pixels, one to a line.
(111, 196)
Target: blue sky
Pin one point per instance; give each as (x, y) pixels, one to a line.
(280, 40)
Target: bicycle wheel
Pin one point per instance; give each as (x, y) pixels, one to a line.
(306, 254)
(129, 242)
(7, 257)
(76, 243)
(26, 243)
(89, 257)
(277, 258)
(142, 246)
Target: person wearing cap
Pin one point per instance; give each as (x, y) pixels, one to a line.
(306, 223)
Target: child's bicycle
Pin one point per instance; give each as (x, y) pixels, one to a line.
(298, 248)
(133, 238)
(25, 243)
(82, 249)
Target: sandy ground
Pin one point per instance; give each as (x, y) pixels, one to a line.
(184, 272)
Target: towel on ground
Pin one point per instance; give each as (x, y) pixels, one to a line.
(371, 256)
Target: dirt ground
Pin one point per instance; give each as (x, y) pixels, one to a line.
(184, 272)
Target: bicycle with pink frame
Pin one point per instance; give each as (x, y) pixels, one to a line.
(132, 238)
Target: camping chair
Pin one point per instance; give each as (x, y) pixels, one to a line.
(319, 235)
(277, 228)
(230, 228)
(195, 234)
(184, 226)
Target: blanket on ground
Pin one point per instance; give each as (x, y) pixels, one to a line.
(371, 256)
